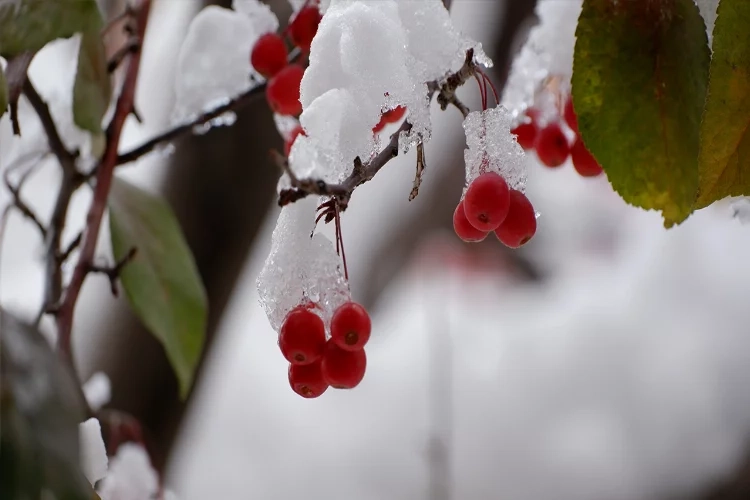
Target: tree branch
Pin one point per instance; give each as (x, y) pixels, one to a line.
(104, 174)
(233, 105)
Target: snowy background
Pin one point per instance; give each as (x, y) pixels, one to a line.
(621, 375)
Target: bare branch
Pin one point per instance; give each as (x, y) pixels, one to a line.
(447, 94)
(104, 174)
(113, 272)
(421, 165)
(22, 207)
(118, 57)
(15, 75)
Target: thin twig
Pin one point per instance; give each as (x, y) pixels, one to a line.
(114, 62)
(22, 207)
(104, 174)
(113, 272)
(421, 165)
(16, 75)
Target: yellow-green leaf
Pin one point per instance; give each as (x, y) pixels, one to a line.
(639, 85)
(724, 161)
(28, 25)
(92, 89)
(161, 282)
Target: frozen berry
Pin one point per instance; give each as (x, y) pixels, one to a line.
(552, 146)
(463, 227)
(394, 115)
(583, 161)
(298, 130)
(520, 224)
(343, 369)
(283, 90)
(350, 326)
(304, 26)
(380, 125)
(268, 56)
(486, 201)
(307, 380)
(527, 130)
(303, 337)
(570, 115)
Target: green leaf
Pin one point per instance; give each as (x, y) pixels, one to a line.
(28, 25)
(3, 93)
(40, 408)
(162, 281)
(724, 160)
(92, 89)
(639, 84)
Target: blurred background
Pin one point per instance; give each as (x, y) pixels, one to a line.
(607, 359)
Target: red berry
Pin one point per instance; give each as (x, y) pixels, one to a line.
(307, 380)
(394, 115)
(583, 161)
(380, 125)
(343, 369)
(520, 224)
(283, 90)
(486, 201)
(463, 227)
(268, 56)
(298, 130)
(350, 326)
(570, 115)
(527, 130)
(552, 146)
(304, 26)
(302, 338)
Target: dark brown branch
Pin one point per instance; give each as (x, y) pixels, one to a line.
(16, 76)
(421, 164)
(22, 207)
(447, 94)
(104, 174)
(113, 272)
(170, 135)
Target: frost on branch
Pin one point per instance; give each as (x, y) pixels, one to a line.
(300, 269)
(492, 148)
(214, 65)
(369, 57)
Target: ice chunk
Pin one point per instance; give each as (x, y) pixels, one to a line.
(93, 452)
(214, 61)
(492, 148)
(261, 16)
(301, 269)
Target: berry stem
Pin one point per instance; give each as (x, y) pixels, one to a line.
(487, 81)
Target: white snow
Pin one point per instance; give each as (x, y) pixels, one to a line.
(130, 475)
(93, 452)
(261, 16)
(98, 390)
(299, 268)
(708, 12)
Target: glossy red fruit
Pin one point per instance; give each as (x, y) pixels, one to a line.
(486, 201)
(305, 26)
(380, 125)
(298, 130)
(552, 146)
(394, 115)
(583, 161)
(527, 130)
(343, 369)
(307, 380)
(350, 326)
(463, 227)
(269, 55)
(282, 91)
(570, 115)
(302, 338)
(520, 224)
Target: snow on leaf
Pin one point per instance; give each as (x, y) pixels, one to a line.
(130, 475)
(260, 14)
(93, 452)
(161, 282)
(639, 85)
(300, 269)
(724, 160)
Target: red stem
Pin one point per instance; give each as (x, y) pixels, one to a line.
(105, 172)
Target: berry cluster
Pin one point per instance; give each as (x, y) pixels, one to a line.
(270, 58)
(316, 363)
(490, 205)
(551, 143)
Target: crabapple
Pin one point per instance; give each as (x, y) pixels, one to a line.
(463, 227)
(552, 146)
(486, 201)
(268, 56)
(343, 369)
(282, 91)
(350, 326)
(302, 338)
(520, 224)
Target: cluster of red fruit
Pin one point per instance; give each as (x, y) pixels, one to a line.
(490, 205)
(551, 143)
(270, 58)
(316, 363)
